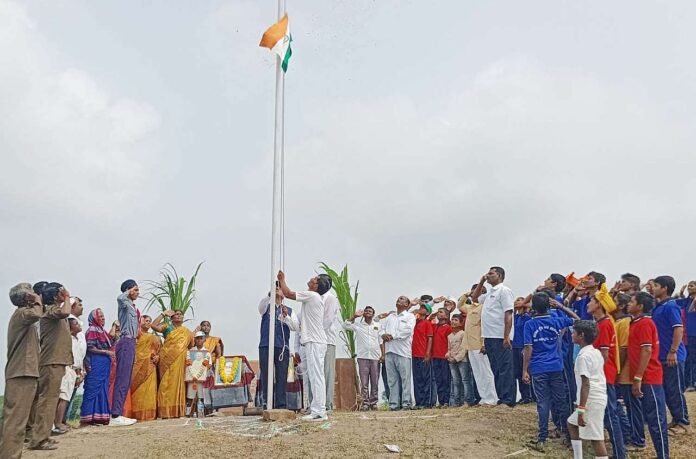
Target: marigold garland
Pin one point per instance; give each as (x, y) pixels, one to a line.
(228, 378)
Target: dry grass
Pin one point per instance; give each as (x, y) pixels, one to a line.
(479, 433)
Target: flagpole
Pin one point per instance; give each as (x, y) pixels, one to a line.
(276, 220)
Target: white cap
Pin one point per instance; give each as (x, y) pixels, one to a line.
(199, 334)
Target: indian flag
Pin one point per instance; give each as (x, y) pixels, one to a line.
(277, 38)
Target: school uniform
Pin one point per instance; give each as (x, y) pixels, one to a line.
(690, 334)
(21, 378)
(606, 340)
(589, 363)
(651, 407)
(567, 350)
(623, 379)
(541, 333)
(441, 371)
(55, 355)
(517, 359)
(422, 370)
(667, 316)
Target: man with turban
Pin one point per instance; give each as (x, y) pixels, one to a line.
(129, 318)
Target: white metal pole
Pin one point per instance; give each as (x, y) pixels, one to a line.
(275, 241)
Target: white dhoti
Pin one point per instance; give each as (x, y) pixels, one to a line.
(314, 371)
(483, 375)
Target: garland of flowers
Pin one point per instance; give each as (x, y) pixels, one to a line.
(228, 378)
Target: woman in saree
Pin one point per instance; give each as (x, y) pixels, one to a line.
(171, 394)
(95, 400)
(144, 380)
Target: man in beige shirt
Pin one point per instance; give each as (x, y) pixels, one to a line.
(22, 369)
(480, 367)
(56, 354)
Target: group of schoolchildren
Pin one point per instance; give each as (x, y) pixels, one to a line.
(625, 346)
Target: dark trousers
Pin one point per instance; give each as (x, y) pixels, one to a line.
(125, 357)
(674, 386)
(280, 376)
(569, 374)
(650, 409)
(422, 382)
(612, 423)
(525, 389)
(550, 393)
(501, 364)
(690, 367)
(623, 395)
(441, 377)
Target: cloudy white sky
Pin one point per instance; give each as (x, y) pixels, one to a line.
(425, 141)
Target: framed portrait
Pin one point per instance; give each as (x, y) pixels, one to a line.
(198, 370)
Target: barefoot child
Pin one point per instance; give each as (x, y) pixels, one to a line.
(587, 421)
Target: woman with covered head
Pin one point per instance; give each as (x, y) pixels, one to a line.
(95, 401)
(144, 381)
(171, 394)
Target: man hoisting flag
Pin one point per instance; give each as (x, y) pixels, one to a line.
(277, 38)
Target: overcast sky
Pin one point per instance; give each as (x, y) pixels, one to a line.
(425, 142)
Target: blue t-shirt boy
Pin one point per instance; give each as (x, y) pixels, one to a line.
(542, 333)
(666, 316)
(520, 321)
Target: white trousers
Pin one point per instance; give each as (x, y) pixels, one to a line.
(483, 375)
(315, 352)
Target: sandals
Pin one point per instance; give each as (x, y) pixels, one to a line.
(45, 446)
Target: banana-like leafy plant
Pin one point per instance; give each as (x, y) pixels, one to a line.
(172, 291)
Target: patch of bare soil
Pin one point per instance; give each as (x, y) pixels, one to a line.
(479, 433)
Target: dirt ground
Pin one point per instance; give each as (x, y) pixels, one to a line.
(458, 432)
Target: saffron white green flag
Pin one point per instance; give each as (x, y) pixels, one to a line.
(277, 38)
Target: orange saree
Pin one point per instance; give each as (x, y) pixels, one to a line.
(171, 394)
(144, 380)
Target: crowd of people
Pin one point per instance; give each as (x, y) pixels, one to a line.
(590, 357)
(133, 372)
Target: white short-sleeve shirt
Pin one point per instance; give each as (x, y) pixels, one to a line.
(311, 318)
(331, 317)
(590, 363)
(496, 303)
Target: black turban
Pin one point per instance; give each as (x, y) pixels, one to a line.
(127, 285)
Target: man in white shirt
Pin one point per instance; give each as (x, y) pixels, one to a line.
(332, 323)
(497, 332)
(71, 380)
(368, 350)
(397, 333)
(313, 338)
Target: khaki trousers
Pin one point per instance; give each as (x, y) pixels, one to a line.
(19, 397)
(50, 377)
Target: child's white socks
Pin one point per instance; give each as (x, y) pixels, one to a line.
(577, 448)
